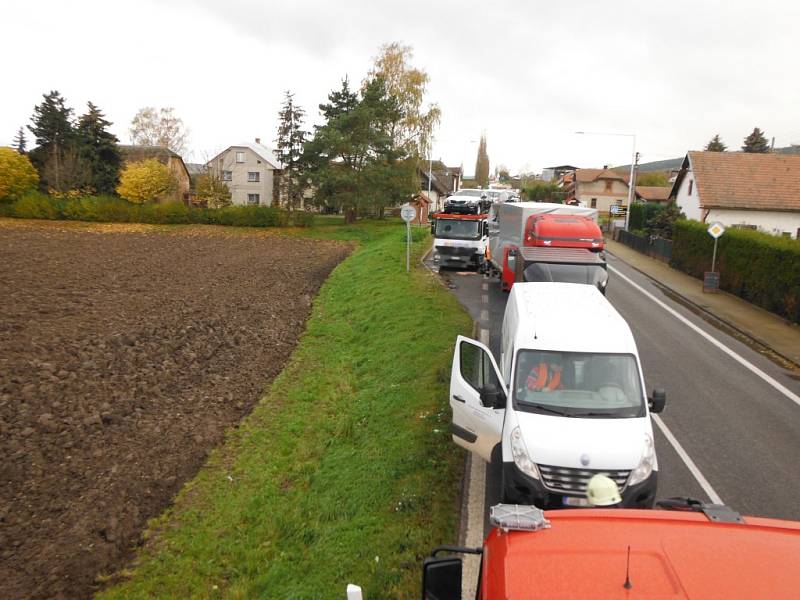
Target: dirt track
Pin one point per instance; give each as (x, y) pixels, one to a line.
(125, 353)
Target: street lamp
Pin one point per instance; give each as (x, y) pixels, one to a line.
(633, 164)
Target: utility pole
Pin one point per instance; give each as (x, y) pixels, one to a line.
(632, 190)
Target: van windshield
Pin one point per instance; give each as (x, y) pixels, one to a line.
(573, 384)
(456, 229)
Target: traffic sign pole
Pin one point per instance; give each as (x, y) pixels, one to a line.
(407, 213)
(711, 278)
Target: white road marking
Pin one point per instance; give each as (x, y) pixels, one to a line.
(483, 336)
(742, 361)
(687, 460)
(485, 316)
(485, 298)
(485, 286)
(474, 536)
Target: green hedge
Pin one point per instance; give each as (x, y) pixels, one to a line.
(641, 214)
(761, 268)
(110, 209)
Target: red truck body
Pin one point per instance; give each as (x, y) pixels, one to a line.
(584, 554)
(701, 551)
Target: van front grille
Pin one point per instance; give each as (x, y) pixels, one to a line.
(571, 481)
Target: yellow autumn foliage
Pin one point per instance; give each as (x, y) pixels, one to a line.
(17, 174)
(145, 181)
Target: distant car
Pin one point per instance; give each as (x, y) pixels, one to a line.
(467, 201)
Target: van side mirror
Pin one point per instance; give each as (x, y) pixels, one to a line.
(485, 228)
(658, 400)
(441, 578)
(492, 396)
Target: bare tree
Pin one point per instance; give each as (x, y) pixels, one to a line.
(159, 127)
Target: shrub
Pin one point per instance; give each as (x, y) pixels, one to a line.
(17, 175)
(249, 216)
(642, 213)
(761, 268)
(145, 181)
(111, 209)
(170, 213)
(35, 205)
(302, 218)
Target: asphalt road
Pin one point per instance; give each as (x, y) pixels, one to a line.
(740, 433)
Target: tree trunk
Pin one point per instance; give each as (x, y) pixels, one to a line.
(350, 216)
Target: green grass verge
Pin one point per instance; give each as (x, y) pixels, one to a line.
(345, 471)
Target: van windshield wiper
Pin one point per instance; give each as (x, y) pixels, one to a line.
(548, 409)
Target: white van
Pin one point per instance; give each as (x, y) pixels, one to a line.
(566, 403)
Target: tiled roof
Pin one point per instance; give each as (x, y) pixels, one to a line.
(589, 175)
(653, 193)
(747, 180)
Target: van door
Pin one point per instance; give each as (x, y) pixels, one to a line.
(477, 397)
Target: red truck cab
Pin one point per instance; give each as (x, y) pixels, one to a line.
(563, 231)
(629, 553)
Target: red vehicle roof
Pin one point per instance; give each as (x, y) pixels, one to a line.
(672, 555)
(557, 230)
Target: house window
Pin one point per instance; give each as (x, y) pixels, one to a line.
(608, 185)
(253, 176)
(593, 203)
(691, 186)
(227, 176)
(240, 157)
(253, 198)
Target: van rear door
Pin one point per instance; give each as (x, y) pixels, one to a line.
(478, 398)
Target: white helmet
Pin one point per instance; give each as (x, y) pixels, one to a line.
(602, 491)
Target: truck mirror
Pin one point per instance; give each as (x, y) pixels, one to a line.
(492, 396)
(485, 228)
(441, 578)
(658, 400)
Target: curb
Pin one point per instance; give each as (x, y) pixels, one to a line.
(704, 312)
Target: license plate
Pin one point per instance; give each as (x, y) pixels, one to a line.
(576, 501)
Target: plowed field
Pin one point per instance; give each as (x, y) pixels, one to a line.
(125, 354)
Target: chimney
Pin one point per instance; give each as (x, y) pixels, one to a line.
(258, 140)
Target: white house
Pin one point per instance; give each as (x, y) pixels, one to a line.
(250, 171)
(741, 189)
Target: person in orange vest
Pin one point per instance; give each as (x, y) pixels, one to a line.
(545, 377)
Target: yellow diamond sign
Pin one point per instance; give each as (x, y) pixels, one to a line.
(716, 230)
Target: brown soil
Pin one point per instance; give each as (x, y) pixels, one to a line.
(125, 354)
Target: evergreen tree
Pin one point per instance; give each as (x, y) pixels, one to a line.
(756, 142)
(20, 142)
(716, 145)
(290, 141)
(482, 164)
(353, 160)
(55, 155)
(98, 151)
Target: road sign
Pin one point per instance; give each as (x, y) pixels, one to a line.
(716, 229)
(407, 213)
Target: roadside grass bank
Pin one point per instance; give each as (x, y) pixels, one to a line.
(345, 471)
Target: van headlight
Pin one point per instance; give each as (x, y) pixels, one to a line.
(520, 454)
(647, 464)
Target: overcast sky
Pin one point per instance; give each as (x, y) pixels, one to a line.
(527, 73)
